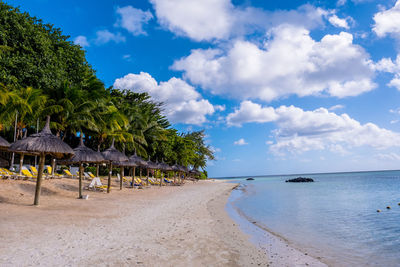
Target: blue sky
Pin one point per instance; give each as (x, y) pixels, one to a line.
(278, 86)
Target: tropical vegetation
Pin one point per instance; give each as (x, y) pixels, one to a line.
(43, 73)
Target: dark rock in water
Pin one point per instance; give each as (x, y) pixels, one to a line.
(300, 180)
(250, 179)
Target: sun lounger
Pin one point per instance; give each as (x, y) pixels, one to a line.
(91, 175)
(49, 172)
(34, 171)
(27, 174)
(96, 184)
(153, 181)
(68, 173)
(10, 174)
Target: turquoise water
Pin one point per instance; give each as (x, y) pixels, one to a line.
(334, 218)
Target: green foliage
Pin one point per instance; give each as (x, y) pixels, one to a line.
(36, 54)
(43, 73)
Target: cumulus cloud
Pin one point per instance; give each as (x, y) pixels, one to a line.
(390, 66)
(183, 104)
(240, 142)
(200, 20)
(299, 131)
(219, 19)
(338, 22)
(133, 19)
(388, 21)
(288, 63)
(82, 41)
(335, 107)
(105, 36)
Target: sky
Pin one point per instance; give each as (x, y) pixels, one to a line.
(279, 87)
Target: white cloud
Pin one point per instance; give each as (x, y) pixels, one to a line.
(82, 41)
(220, 107)
(388, 156)
(183, 104)
(335, 107)
(387, 65)
(219, 19)
(105, 36)
(388, 21)
(290, 62)
(299, 131)
(133, 19)
(251, 112)
(200, 20)
(240, 142)
(338, 22)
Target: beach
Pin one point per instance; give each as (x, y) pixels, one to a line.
(168, 226)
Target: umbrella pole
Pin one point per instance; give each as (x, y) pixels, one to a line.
(147, 178)
(21, 162)
(39, 179)
(97, 170)
(121, 170)
(174, 177)
(161, 173)
(109, 178)
(133, 177)
(80, 179)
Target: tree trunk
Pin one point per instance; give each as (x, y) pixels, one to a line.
(80, 179)
(109, 178)
(39, 179)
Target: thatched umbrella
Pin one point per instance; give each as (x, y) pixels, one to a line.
(150, 166)
(4, 145)
(42, 144)
(111, 154)
(83, 154)
(123, 164)
(195, 171)
(141, 163)
(175, 169)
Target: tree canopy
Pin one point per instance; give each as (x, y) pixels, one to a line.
(43, 73)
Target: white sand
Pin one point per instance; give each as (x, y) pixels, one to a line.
(168, 226)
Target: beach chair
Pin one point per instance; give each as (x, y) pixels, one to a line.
(91, 175)
(50, 170)
(34, 171)
(27, 174)
(68, 173)
(96, 184)
(3, 174)
(153, 181)
(10, 174)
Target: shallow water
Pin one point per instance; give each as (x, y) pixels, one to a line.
(334, 218)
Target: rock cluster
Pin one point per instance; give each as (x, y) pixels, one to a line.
(300, 180)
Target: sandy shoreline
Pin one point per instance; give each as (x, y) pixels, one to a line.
(168, 226)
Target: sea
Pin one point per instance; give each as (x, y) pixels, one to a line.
(335, 218)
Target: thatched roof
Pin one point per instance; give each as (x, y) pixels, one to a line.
(138, 160)
(165, 166)
(85, 154)
(3, 143)
(176, 168)
(113, 155)
(184, 168)
(125, 164)
(151, 165)
(43, 142)
(195, 171)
